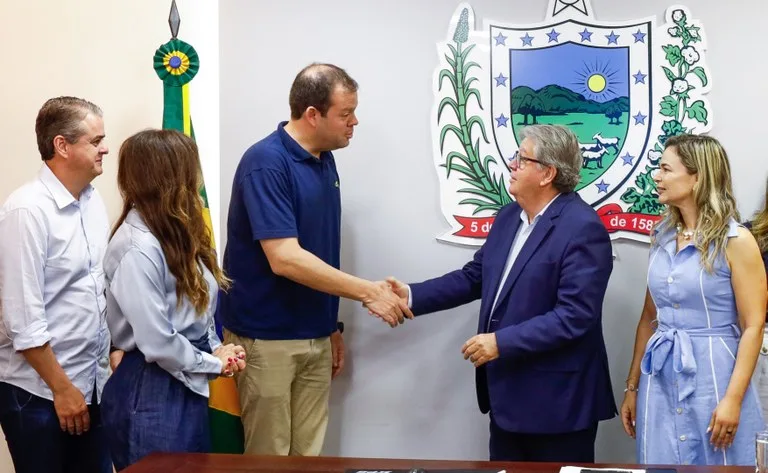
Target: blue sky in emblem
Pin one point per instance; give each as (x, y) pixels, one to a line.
(599, 74)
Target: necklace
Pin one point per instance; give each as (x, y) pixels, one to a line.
(687, 234)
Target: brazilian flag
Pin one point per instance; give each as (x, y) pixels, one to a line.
(177, 63)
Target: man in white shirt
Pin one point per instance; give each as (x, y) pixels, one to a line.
(54, 342)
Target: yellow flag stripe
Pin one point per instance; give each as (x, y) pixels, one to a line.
(209, 224)
(223, 391)
(224, 396)
(185, 109)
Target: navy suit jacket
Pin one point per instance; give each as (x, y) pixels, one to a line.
(552, 372)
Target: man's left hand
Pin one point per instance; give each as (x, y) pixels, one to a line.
(337, 350)
(481, 349)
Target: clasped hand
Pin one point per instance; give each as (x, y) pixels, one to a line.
(232, 359)
(388, 300)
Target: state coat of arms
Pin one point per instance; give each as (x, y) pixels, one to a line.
(622, 87)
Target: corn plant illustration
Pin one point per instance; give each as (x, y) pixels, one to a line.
(644, 197)
(487, 190)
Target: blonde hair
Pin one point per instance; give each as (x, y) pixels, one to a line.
(760, 225)
(712, 193)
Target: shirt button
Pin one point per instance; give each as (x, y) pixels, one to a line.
(679, 410)
(670, 279)
(682, 438)
(676, 306)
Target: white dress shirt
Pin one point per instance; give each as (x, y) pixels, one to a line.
(143, 311)
(523, 232)
(52, 284)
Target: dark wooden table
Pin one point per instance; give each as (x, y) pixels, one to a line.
(199, 463)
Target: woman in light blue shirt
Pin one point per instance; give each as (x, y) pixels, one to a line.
(162, 282)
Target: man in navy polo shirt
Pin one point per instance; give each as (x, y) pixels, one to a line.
(283, 245)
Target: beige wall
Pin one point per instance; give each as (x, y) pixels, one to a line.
(102, 51)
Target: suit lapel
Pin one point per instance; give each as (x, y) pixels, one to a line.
(500, 253)
(540, 232)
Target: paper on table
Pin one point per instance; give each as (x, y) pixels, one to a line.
(581, 469)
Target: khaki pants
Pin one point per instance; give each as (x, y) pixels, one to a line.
(284, 393)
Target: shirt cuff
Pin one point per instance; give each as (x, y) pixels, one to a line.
(34, 335)
(410, 297)
(210, 364)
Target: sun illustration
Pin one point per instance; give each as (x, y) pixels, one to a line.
(596, 83)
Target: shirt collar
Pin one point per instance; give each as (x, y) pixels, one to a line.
(60, 194)
(523, 215)
(297, 152)
(135, 219)
(666, 235)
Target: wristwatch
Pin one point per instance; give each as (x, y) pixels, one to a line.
(340, 327)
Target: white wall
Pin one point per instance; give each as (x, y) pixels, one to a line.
(407, 392)
(101, 51)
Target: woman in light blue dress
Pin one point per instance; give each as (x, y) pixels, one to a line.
(689, 399)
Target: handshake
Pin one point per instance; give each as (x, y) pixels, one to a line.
(388, 300)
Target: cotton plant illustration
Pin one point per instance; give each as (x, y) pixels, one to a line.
(684, 74)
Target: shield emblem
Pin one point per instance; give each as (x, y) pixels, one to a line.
(597, 78)
(592, 78)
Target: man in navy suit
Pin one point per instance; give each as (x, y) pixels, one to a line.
(542, 369)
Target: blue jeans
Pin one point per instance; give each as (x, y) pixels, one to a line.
(146, 410)
(37, 443)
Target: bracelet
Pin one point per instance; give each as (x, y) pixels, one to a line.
(631, 388)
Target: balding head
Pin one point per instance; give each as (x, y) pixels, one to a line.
(314, 86)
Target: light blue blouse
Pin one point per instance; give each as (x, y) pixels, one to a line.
(142, 310)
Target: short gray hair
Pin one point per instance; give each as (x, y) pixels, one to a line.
(557, 146)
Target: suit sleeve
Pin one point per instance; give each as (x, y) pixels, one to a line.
(450, 290)
(584, 275)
